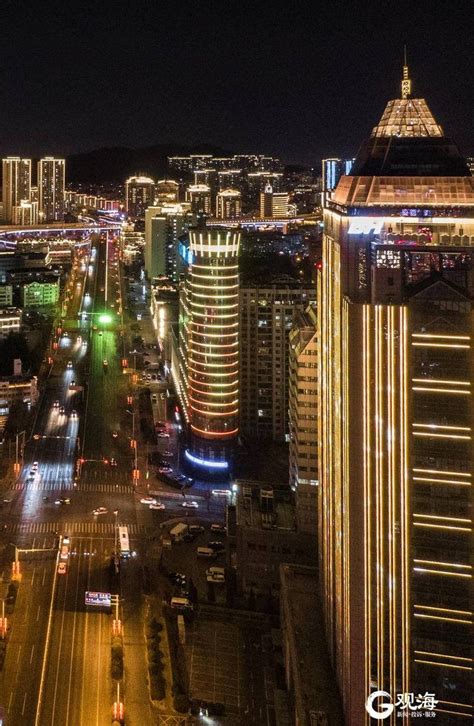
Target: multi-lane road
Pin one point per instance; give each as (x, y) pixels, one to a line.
(57, 670)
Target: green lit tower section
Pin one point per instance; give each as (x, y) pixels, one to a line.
(213, 349)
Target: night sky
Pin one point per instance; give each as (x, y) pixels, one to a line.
(298, 80)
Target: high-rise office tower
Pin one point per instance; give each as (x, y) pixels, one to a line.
(16, 184)
(228, 204)
(163, 227)
(139, 194)
(273, 204)
(332, 170)
(51, 189)
(267, 310)
(209, 348)
(396, 421)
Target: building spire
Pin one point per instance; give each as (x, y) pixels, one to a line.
(406, 82)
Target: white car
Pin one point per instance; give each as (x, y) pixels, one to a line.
(221, 492)
(148, 500)
(190, 505)
(69, 364)
(74, 414)
(99, 510)
(158, 505)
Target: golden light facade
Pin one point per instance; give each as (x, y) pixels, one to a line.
(395, 440)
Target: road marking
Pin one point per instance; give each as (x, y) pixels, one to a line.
(38, 613)
(44, 575)
(18, 655)
(10, 700)
(32, 651)
(71, 527)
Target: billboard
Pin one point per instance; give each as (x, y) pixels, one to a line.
(99, 599)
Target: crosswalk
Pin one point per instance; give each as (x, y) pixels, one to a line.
(72, 527)
(52, 486)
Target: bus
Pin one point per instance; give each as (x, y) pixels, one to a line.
(124, 542)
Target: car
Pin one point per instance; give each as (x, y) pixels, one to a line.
(69, 364)
(160, 424)
(74, 414)
(63, 500)
(190, 505)
(84, 343)
(168, 453)
(164, 469)
(62, 409)
(72, 384)
(158, 505)
(221, 492)
(154, 398)
(105, 363)
(163, 435)
(148, 500)
(177, 578)
(62, 568)
(65, 539)
(196, 528)
(114, 434)
(56, 404)
(99, 510)
(113, 462)
(34, 466)
(189, 537)
(100, 332)
(216, 545)
(215, 578)
(220, 528)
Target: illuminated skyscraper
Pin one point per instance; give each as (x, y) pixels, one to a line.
(209, 348)
(332, 170)
(163, 227)
(51, 189)
(396, 418)
(139, 194)
(273, 204)
(199, 196)
(16, 184)
(228, 204)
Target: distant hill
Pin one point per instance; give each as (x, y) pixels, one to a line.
(115, 164)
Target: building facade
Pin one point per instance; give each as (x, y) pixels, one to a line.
(332, 170)
(200, 198)
(10, 321)
(139, 195)
(6, 295)
(228, 204)
(303, 417)
(273, 205)
(163, 227)
(16, 185)
(267, 311)
(51, 189)
(396, 418)
(207, 371)
(37, 294)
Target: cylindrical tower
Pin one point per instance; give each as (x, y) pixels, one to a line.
(213, 352)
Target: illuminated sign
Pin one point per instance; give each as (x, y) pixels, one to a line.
(99, 599)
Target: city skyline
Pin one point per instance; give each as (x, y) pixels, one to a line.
(280, 88)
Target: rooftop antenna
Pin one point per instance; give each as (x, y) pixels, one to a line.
(406, 82)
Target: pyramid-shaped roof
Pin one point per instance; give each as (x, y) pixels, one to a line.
(407, 117)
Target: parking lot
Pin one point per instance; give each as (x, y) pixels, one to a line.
(226, 664)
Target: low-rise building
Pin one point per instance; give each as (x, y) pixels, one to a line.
(10, 321)
(6, 295)
(18, 389)
(38, 294)
(312, 696)
(263, 535)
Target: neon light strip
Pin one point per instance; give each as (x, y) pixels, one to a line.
(205, 462)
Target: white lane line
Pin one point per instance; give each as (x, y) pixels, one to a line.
(38, 613)
(32, 652)
(18, 655)
(44, 576)
(24, 703)
(10, 701)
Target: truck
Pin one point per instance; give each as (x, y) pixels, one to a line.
(178, 532)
